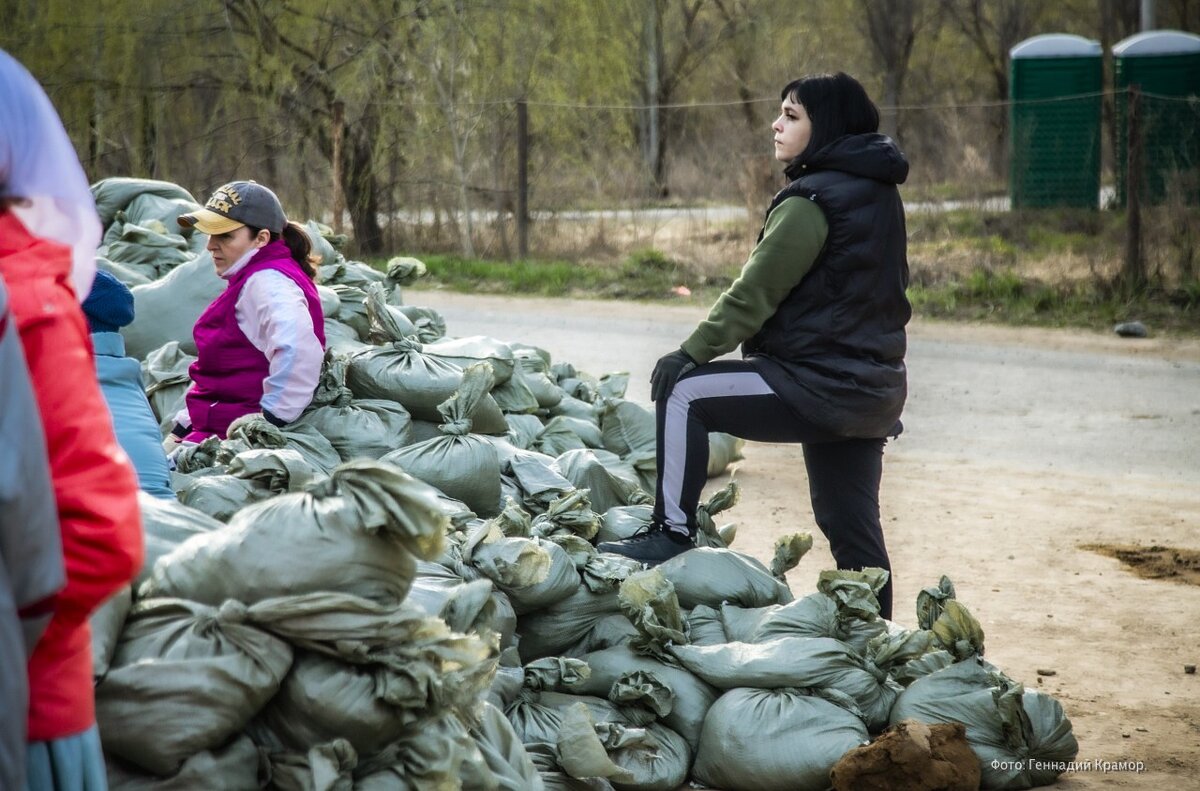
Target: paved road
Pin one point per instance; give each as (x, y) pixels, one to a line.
(1060, 401)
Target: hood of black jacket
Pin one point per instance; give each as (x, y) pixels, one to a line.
(872, 156)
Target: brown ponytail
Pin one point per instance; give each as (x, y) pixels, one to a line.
(296, 238)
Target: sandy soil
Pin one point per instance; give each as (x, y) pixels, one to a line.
(1021, 445)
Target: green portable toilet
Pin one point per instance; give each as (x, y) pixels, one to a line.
(1054, 131)
(1165, 67)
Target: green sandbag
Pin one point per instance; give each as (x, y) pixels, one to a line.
(149, 207)
(693, 696)
(325, 244)
(346, 627)
(523, 429)
(559, 435)
(219, 496)
(323, 699)
(620, 522)
(599, 472)
(130, 276)
(255, 432)
(106, 623)
(534, 366)
(723, 450)
(339, 271)
(818, 615)
(331, 303)
(114, 194)
(324, 767)
(356, 533)
(430, 324)
(352, 310)
(636, 756)
(577, 408)
(457, 463)
(148, 248)
(166, 381)
(1022, 736)
(185, 677)
(469, 607)
(610, 630)
(514, 396)
(534, 573)
(430, 755)
(373, 705)
(279, 469)
(774, 740)
(705, 626)
(562, 737)
(465, 352)
(385, 322)
(569, 515)
(817, 662)
(538, 480)
(165, 525)
(401, 372)
(506, 764)
(167, 309)
(357, 429)
(342, 340)
(236, 767)
(551, 631)
(711, 576)
(627, 428)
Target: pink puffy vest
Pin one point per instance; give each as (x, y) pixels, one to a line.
(227, 377)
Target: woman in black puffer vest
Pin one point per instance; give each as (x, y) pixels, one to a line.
(819, 311)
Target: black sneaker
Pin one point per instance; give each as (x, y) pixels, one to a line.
(651, 545)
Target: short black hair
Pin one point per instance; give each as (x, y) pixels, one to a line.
(837, 105)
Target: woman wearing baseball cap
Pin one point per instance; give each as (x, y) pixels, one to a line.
(261, 342)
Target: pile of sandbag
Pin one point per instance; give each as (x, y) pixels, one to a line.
(401, 588)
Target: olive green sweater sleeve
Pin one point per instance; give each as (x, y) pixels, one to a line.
(792, 240)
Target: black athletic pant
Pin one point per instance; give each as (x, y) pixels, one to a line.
(731, 396)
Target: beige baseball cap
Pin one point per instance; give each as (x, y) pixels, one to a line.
(236, 204)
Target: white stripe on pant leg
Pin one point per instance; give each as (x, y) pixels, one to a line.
(694, 388)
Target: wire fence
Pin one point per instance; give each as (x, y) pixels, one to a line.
(459, 176)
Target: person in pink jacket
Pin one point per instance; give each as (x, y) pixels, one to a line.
(261, 342)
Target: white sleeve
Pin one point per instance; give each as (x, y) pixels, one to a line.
(273, 314)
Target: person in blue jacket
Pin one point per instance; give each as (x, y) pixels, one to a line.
(108, 307)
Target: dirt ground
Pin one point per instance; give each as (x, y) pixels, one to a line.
(1021, 445)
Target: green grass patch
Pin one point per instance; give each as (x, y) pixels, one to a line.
(645, 274)
(1044, 232)
(1006, 298)
(967, 265)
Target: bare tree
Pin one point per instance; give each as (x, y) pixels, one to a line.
(994, 27)
(892, 26)
(677, 37)
(314, 62)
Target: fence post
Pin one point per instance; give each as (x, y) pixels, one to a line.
(522, 179)
(339, 202)
(1134, 273)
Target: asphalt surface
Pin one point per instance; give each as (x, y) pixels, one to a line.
(1052, 400)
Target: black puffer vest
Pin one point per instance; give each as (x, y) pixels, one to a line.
(834, 349)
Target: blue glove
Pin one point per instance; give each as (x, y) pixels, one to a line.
(667, 371)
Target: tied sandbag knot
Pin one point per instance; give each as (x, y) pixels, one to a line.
(456, 428)
(407, 344)
(232, 611)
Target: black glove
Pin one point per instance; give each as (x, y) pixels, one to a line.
(667, 371)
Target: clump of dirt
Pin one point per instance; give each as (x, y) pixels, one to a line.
(911, 756)
(1154, 562)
